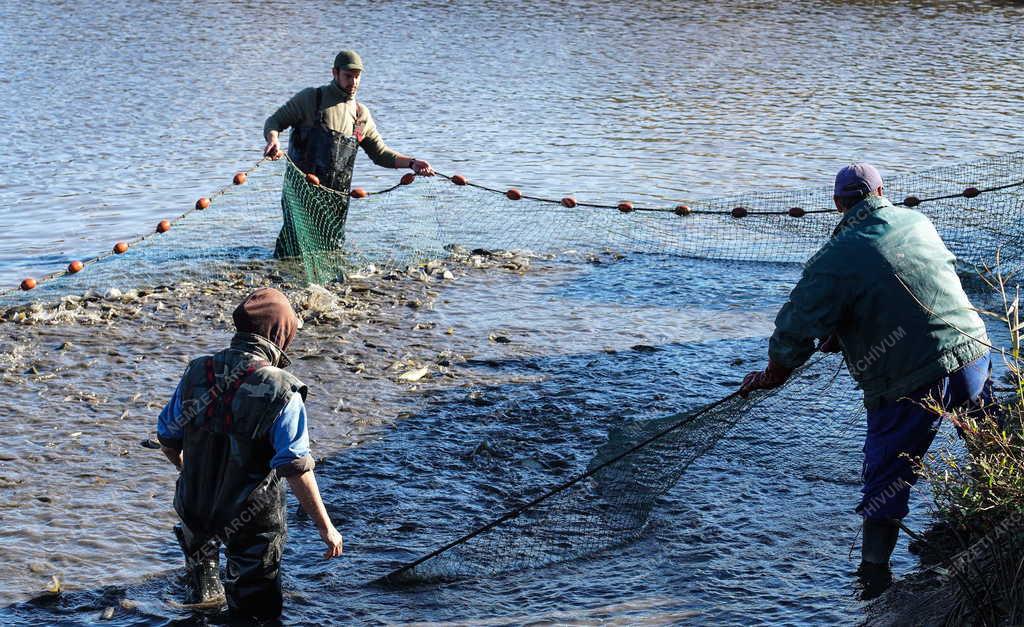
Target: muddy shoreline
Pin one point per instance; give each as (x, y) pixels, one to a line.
(86, 377)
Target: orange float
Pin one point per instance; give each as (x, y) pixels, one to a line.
(796, 212)
(28, 284)
(358, 192)
(513, 194)
(203, 203)
(739, 212)
(121, 247)
(75, 266)
(458, 179)
(625, 206)
(569, 202)
(407, 178)
(682, 210)
(911, 201)
(312, 179)
(971, 192)
(163, 226)
(239, 178)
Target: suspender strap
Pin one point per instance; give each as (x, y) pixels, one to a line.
(320, 115)
(223, 400)
(359, 123)
(211, 380)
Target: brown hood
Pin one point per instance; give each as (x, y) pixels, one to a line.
(267, 312)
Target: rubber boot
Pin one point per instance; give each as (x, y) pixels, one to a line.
(202, 571)
(205, 587)
(878, 543)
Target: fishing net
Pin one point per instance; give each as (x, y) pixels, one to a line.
(977, 208)
(610, 502)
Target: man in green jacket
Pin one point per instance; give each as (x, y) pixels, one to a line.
(884, 291)
(328, 127)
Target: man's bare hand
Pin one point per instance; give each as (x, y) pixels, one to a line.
(334, 542)
(305, 489)
(273, 148)
(421, 167)
(173, 455)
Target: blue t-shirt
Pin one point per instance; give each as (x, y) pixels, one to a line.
(288, 434)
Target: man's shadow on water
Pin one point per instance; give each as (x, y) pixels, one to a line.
(468, 456)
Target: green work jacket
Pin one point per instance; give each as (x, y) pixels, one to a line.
(886, 285)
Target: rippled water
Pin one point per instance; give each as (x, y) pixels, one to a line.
(122, 114)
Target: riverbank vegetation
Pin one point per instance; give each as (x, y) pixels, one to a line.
(973, 555)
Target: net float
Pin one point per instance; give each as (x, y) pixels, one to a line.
(458, 179)
(75, 266)
(911, 201)
(682, 210)
(739, 212)
(796, 212)
(121, 247)
(625, 206)
(407, 178)
(28, 284)
(240, 178)
(971, 192)
(163, 226)
(312, 179)
(513, 194)
(358, 192)
(569, 202)
(203, 203)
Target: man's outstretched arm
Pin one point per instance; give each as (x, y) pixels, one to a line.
(170, 428)
(305, 489)
(293, 462)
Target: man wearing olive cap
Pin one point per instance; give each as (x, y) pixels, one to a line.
(884, 291)
(235, 427)
(328, 126)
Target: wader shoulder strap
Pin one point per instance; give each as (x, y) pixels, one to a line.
(359, 123)
(221, 398)
(319, 112)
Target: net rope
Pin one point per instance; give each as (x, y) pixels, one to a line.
(976, 207)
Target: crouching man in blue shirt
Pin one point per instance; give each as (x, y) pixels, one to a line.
(235, 426)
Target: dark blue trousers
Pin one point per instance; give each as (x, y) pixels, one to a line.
(900, 432)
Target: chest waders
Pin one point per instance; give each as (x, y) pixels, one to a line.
(225, 494)
(318, 225)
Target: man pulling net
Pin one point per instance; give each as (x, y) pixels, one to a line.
(884, 291)
(328, 126)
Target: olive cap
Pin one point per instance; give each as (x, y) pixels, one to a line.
(348, 60)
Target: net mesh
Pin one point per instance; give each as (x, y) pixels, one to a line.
(610, 503)
(977, 208)
(782, 226)
(410, 223)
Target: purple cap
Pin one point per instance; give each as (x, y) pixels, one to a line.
(857, 179)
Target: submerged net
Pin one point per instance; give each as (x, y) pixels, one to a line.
(610, 502)
(977, 208)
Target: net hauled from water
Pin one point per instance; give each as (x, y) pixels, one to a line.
(977, 208)
(610, 503)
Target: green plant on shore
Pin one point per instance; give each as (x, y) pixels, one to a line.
(980, 496)
(987, 486)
